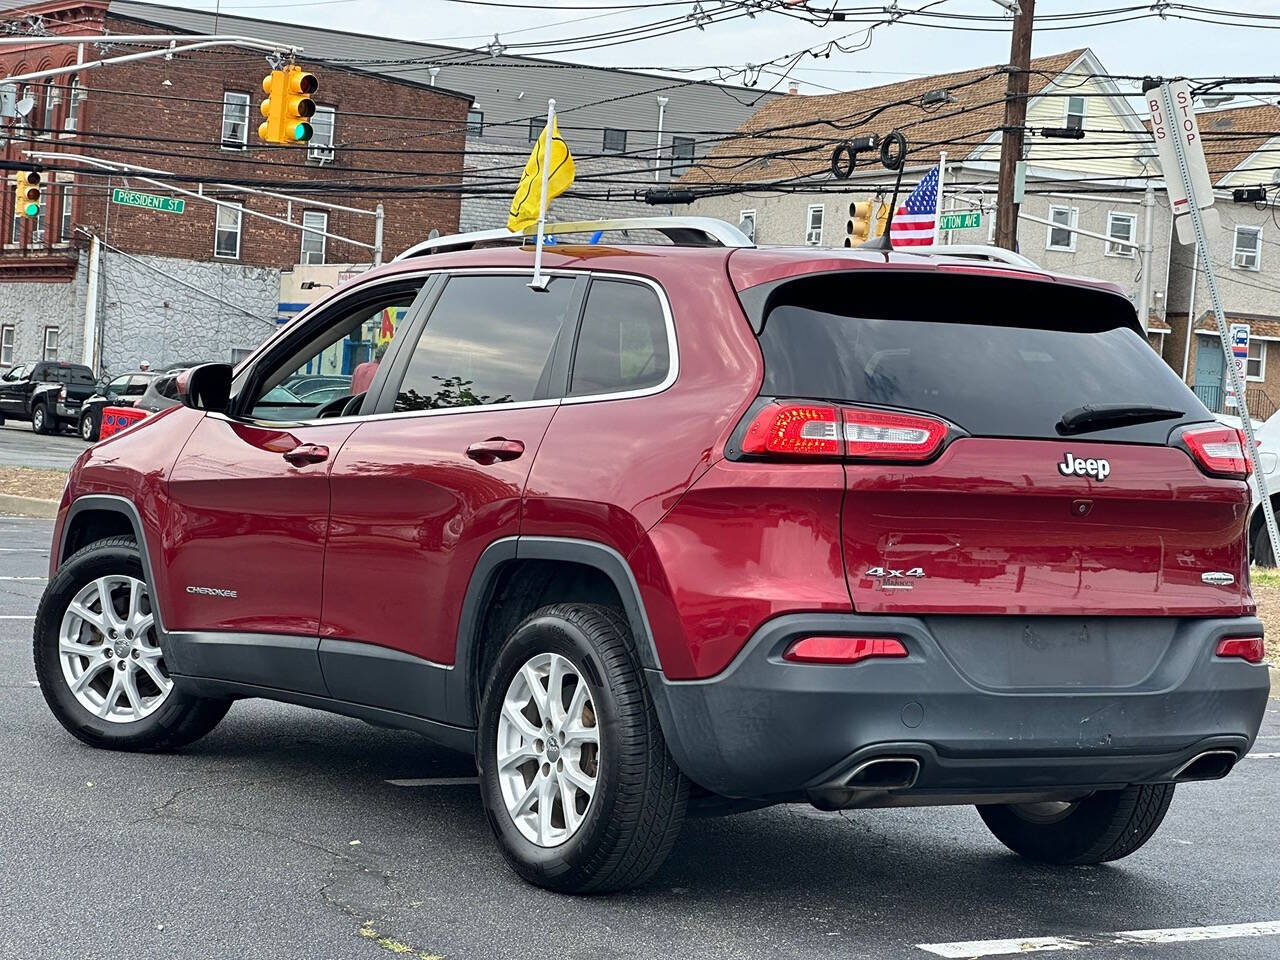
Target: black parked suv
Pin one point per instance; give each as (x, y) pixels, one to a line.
(122, 391)
(49, 393)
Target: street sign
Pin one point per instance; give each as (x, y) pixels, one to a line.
(148, 201)
(1180, 122)
(1239, 336)
(961, 221)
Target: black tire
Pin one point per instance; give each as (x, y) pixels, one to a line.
(638, 809)
(1262, 554)
(1107, 825)
(88, 427)
(178, 721)
(41, 419)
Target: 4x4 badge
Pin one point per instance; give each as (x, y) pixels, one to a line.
(1218, 578)
(1072, 466)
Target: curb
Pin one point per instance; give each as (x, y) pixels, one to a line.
(28, 506)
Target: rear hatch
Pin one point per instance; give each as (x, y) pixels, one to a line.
(1011, 446)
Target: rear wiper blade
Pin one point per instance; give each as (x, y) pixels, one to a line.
(1094, 416)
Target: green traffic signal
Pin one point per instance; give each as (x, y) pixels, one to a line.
(32, 209)
(302, 132)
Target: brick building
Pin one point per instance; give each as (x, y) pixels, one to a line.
(203, 284)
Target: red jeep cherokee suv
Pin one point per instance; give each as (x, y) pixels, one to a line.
(697, 526)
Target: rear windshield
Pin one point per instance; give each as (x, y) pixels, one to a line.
(995, 356)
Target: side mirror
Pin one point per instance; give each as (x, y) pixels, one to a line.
(206, 387)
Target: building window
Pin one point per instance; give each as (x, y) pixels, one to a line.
(813, 228)
(1061, 236)
(681, 155)
(6, 345)
(1255, 367)
(23, 120)
(235, 121)
(747, 224)
(37, 234)
(226, 240)
(320, 147)
(535, 128)
(15, 232)
(75, 96)
(475, 123)
(1121, 226)
(52, 99)
(1075, 112)
(50, 343)
(1247, 253)
(64, 213)
(615, 141)
(313, 243)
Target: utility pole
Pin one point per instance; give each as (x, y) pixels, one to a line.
(1015, 122)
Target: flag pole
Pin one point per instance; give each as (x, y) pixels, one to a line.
(539, 282)
(937, 210)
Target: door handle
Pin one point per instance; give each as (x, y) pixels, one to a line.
(486, 452)
(300, 456)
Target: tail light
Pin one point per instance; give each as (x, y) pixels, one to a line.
(843, 649)
(62, 393)
(856, 433)
(1219, 451)
(1243, 648)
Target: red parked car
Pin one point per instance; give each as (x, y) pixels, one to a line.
(697, 526)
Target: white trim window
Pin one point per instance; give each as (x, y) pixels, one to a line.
(75, 97)
(50, 344)
(1246, 251)
(226, 234)
(475, 123)
(6, 345)
(1062, 235)
(312, 242)
(64, 213)
(323, 122)
(15, 231)
(235, 120)
(813, 224)
(1121, 226)
(42, 219)
(747, 224)
(52, 100)
(1077, 107)
(1255, 368)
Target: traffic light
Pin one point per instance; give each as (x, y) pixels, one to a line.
(27, 199)
(288, 105)
(858, 229)
(882, 220)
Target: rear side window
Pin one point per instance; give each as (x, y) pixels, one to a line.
(997, 357)
(622, 342)
(489, 339)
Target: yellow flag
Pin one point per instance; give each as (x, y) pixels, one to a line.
(526, 205)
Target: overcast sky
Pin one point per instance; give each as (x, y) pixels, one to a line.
(1148, 46)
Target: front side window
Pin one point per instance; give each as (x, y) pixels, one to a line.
(6, 344)
(226, 240)
(1247, 253)
(50, 343)
(117, 387)
(1076, 107)
(1121, 226)
(313, 242)
(622, 342)
(235, 120)
(336, 364)
(320, 146)
(615, 141)
(489, 340)
(1256, 366)
(813, 225)
(1061, 236)
(681, 155)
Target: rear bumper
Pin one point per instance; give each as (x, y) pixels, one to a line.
(769, 728)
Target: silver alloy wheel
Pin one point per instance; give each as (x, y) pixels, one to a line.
(108, 649)
(548, 750)
(86, 427)
(37, 419)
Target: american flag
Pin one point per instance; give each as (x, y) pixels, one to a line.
(915, 222)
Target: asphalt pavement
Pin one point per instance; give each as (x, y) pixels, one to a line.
(20, 446)
(284, 834)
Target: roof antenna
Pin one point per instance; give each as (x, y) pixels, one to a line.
(893, 155)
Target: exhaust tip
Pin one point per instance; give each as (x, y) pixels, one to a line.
(884, 773)
(1210, 765)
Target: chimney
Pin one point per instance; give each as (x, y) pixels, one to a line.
(793, 88)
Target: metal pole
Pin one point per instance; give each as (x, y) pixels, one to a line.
(1233, 373)
(1015, 122)
(539, 282)
(1145, 251)
(379, 218)
(657, 155)
(90, 351)
(937, 207)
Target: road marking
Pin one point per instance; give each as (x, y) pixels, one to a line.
(972, 949)
(435, 782)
